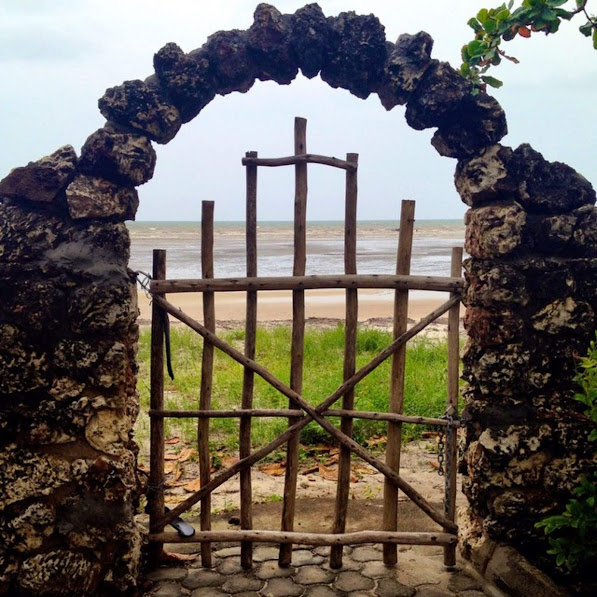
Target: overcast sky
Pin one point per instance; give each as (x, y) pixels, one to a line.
(57, 57)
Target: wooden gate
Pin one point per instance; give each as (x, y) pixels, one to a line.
(299, 412)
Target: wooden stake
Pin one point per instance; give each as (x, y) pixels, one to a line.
(393, 446)
(350, 351)
(246, 495)
(155, 494)
(451, 445)
(298, 333)
(207, 364)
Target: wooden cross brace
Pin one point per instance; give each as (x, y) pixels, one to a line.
(312, 413)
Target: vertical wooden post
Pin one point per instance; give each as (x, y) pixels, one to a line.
(451, 445)
(350, 350)
(209, 318)
(390, 512)
(246, 499)
(298, 333)
(155, 495)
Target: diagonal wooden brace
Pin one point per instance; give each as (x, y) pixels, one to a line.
(312, 413)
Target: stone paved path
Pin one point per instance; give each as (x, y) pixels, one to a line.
(420, 573)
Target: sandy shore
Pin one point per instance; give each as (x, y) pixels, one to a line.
(276, 306)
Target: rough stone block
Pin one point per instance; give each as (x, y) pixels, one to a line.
(356, 54)
(407, 62)
(269, 41)
(102, 308)
(494, 230)
(584, 235)
(565, 316)
(548, 187)
(488, 328)
(188, 78)
(90, 197)
(60, 572)
(309, 38)
(481, 125)
(42, 180)
(486, 178)
(552, 234)
(233, 66)
(142, 106)
(440, 98)
(123, 158)
(494, 284)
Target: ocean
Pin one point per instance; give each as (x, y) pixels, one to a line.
(377, 243)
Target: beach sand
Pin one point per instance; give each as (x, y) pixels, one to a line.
(375, 307)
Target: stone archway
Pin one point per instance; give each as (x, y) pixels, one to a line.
(68, 309)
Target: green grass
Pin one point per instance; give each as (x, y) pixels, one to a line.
(425, 389)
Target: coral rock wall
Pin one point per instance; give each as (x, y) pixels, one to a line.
(531, 303)
(68, 308)
(68, 338)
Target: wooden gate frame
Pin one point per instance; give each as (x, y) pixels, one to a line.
(300, 412)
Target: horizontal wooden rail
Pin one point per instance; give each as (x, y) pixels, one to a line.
(285, 412)
(437, 283)
(356, 538)
(305, 158)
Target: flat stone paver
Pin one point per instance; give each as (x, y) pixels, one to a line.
(282, 587)
(353, 581)
(419, 573)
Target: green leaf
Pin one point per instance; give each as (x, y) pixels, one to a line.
(492, 81)
(475, 25)
(482, 15)
(586, 29)
(595, 38)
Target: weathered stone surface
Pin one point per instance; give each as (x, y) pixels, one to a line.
(108, 431)
(29, 529)
(42, 180)
(122, 158)
(310, 32)
(237, 584)
(33, 305)
(269, 42)
(584, 234)
(24, 368)
(142, 106)
(356, 54)
(548, 187)
(390, 587)
(494, 283)
(486, 177)
(203, 578)
(233, 66)
(58, 572)
(282, 587)
(353, 581)
(482, 123)
(271, 569)
(406, 63)
(91, 197)
(24, 474)
(101, 307)
(494, 230)
(188, 78)
(565, 316)
(487, 327)
(440, 98)
(312, 575)
(551, 234)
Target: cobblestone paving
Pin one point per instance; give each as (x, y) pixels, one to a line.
(420, 573)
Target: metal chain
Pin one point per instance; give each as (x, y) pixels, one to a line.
(440, 452)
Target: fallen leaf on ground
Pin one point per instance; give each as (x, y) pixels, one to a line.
(169, 467)
(194, 485)
(362, 469)
(228, 461)
(186, 454)
(333, 459)
(170, 456)
(376, 440)
(429, 434)
(172, 440)
(168, 556)
(434, 463)
(329, 473)
(275, 469)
